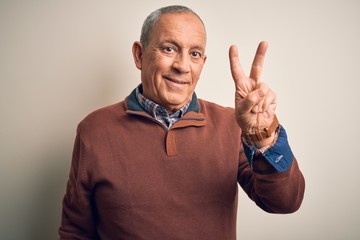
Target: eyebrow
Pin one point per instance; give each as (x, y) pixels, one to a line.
(199, 47)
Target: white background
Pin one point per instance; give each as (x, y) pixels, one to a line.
(60, 60)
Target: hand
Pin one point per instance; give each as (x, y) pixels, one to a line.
(255, 102)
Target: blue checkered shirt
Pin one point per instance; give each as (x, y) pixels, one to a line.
(159, 112)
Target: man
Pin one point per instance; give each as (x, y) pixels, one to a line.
(163, 164)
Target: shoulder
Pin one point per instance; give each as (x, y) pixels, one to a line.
(220, 118)
(210, 108)
(218, 114)
(103, 117)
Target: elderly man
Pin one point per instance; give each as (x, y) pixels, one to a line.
(163, 164)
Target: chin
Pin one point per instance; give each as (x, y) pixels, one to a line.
(177, 102)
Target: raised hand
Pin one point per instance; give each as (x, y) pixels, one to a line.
(255, 102)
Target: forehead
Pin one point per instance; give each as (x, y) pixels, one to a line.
(183, 27)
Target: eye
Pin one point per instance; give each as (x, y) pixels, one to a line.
(196, 54)
(168, 49)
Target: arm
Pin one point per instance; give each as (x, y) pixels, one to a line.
(78, 213)
(273, 192)
(272, 179)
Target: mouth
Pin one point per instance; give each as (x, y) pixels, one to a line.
(176, 81)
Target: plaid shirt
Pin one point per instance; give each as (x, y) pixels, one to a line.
(159, 112)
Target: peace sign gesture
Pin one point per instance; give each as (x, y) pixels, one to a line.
(255, 102)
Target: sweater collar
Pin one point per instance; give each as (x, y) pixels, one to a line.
(133, 104)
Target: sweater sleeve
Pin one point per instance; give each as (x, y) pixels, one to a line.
(78, 217)
(279, 156)
(272, 180)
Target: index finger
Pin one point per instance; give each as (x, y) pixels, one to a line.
(237, 71)
(257, 65)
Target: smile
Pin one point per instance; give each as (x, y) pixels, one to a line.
(176, 81)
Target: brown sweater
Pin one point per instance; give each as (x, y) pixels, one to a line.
(131, 178)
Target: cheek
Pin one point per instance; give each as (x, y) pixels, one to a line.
(196, 71)
(152, 67)
(161, 61)
(163, 64)
(157, 66)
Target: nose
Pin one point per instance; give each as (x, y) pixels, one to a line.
(182, 63)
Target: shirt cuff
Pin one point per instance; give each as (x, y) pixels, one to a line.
(279, 155)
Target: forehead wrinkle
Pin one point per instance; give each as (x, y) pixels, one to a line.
(191, 41)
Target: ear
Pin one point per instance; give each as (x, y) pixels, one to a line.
(137, 50)
(205, 57)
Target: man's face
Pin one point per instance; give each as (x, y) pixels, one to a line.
(172, 62)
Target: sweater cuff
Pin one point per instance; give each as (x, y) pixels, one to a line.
(279, 155)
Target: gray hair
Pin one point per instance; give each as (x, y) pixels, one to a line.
(153, 18)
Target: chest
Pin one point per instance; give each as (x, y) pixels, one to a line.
(134, 167)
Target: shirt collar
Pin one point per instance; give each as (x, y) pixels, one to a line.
(155, 109)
